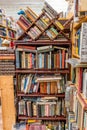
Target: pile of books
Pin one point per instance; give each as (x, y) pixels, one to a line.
(7, 59)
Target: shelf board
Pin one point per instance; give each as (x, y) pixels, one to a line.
(43, 71)
(44, 42)
(62, 95)
(60, 118)
(5, 37)
(78, 25)
(9, 28)
(2, 26)
(11, 38)
(76, 56)
(82, 100)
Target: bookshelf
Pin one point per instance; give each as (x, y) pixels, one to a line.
(40, 72)
(7, 29)
(9, 33)
(45, 26)
(76, 29)
(77, 110)
(41, 62)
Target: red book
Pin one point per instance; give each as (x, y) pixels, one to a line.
(57, 60)
(22, 25)
(80, 79)
(24, 20)
(30, 60)
(45, 87)
(27, 127)
(26, 47)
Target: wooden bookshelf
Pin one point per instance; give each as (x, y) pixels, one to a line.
(26, 71)
(78, 24)
(56, 30)
(81, 99)
(42, 39)
(76, 56)
(7, 31)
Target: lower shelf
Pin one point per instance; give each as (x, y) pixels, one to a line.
(59, 118)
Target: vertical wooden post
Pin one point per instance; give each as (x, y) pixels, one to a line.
(7, 99)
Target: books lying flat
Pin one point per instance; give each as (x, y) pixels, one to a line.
(40, 79)
(44, 48)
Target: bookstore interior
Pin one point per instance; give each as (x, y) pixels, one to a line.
(43, 66)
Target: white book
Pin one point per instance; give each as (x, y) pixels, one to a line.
(44, 48)
(44, 79)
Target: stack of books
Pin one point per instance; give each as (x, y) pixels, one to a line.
(7, 59)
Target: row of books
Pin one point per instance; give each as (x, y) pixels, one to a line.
(2, 19)
(44, 85)
(76, 105)
(52, 32)
(34, 125)
(26, 20)
(60, 126)
(81, 80)
(8, 33)
(83, 43)
(34, 32)
(23, 22)
(71, 121)
(7, 21)
(43, 22)
(11, 34)
(3, 31)
(25, 60)
(31, 15)
(42, 57)
(80, 43)
(43, 108)
(50, 11)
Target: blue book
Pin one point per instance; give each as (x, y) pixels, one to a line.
(25, 83)
(40, 60)
(17, 59)
(78, 40)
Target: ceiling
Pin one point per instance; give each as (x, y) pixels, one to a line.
(11, 7)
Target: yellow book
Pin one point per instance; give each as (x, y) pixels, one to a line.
(59, 25)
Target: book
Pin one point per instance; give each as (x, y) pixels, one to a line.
(59, 25)
(23, 26)
(83, 44)
(44, 48)
(48, 78)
